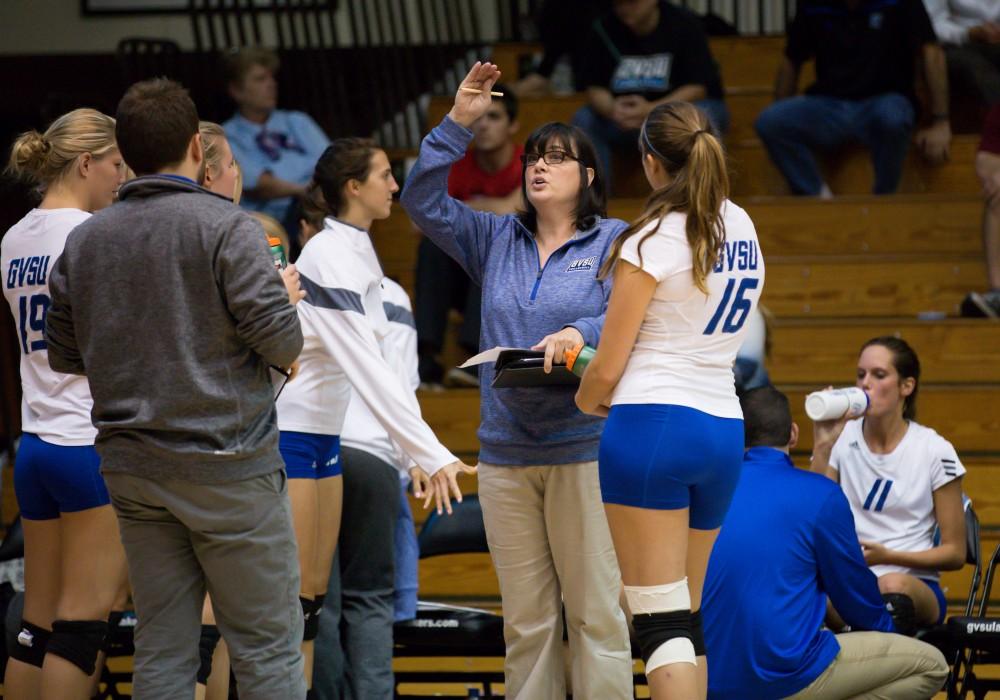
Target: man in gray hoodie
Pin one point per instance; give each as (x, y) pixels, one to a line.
(170, 304)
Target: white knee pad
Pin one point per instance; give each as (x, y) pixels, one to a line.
(661, 616)
(645, 600)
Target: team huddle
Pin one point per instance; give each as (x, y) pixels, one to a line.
(160, 437)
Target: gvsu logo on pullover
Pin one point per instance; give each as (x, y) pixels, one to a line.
(582, 264)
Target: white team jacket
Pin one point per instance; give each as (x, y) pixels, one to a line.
(344, 323)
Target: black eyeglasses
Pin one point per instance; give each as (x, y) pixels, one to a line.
(550, 157)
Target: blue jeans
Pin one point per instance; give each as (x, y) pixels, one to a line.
(407, 555)
(608, 136)
(793, 128)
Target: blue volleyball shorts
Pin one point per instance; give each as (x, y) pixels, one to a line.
(669, 457)
(51, 479)
(310, 455)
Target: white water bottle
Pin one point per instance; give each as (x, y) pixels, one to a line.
(832, 404)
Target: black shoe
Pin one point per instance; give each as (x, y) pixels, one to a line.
(985, 305)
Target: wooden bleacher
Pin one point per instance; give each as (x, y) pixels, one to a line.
(838, 273)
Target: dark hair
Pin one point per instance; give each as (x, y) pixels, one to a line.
(509, 99)
(680, 136)
(592, 202)
(238, 62)
(767, 419)
(155, 122)
(314, 206)
(343, 160)
(906, 363)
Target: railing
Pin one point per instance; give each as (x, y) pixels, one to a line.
(366, 66)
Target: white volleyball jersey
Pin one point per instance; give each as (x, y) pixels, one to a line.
(891, 495)
(688, 341)
(344, 323)
(56, 407)
(361, 430)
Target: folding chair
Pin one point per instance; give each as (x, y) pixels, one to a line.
(977, 641)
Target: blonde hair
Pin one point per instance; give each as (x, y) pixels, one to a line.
(211, 143)
(44, 158)
(680, 137)
(273, 229)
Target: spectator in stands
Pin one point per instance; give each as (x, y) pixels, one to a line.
(277, 149)
(645, 53)
(766, 641)
(903, 481)
(562, 24)
(488, 178)
(866, 53)
(988, 169)
(970, 32)
(538, 482)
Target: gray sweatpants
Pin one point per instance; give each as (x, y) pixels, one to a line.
(234, 540)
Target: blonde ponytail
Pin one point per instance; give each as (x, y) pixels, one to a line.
(679, 135)
(44, 158)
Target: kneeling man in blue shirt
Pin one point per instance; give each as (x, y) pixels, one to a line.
(787, 545)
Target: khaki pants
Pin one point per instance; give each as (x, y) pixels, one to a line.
(879, 666)
(551, 545)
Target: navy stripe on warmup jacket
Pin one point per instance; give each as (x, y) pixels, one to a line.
(787, 543)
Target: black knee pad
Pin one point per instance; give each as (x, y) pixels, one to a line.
(207, 642)
(78, 641)
(697, 634)
(32, 641)
(655, 629)
(311, 618)
(904, 613)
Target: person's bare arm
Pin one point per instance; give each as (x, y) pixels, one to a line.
(935, 140)
(272, 187)
(601, 101)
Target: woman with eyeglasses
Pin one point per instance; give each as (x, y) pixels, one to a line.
(538, 482)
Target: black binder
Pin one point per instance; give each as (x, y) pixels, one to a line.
(525, 368)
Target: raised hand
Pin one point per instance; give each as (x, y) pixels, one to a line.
(469, 106)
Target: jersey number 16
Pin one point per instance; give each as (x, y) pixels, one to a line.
(738, 312)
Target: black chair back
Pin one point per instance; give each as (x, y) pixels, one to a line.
(459, 533)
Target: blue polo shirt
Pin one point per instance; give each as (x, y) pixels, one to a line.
(287, 145)
(787, 543)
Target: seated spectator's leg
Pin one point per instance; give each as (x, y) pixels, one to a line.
(975, 69)
(928, 600)
(791, 129)
(879, 665)
(407, 555)
(367, 576)
(988, 169)
(718, 113)
(606, 137)
(886, 123)
(434, 284)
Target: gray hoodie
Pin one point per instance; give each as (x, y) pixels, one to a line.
(169, 303)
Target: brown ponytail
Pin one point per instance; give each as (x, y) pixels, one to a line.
(679, 135)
